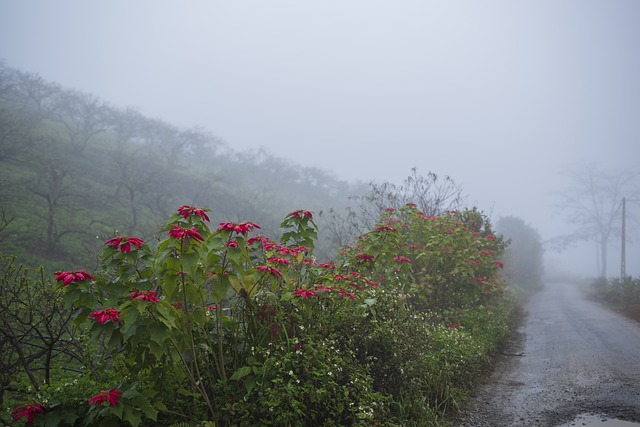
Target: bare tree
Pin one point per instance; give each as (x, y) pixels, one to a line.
(592, 204)
(37, 333)
(83, 117)
(54, 184)
(432, 194)
(24, 101)
(5, 220)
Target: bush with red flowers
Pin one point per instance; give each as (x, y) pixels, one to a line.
(237, 329)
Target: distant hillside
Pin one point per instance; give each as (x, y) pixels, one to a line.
(75, 170)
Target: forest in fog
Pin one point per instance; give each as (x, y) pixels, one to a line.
(76, 170)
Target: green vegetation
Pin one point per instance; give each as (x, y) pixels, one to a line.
(215, 325)
(620, 292)
(388, 315)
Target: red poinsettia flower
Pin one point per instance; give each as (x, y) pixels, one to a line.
(298, 249)
(454, 325)
(300, 213)
(256, 239)
(277, 260)
(364, 257)
(67, 277)
(125, 242)
(112, 396)
(106, 314)
(28, 411)
(240, 228)
(282, 250)
(328, 266)
(272, 270)
(186, 210)
(385, 228)
(144, 296)
(347, 294)
(402, 259)
(305, 293)
(185, 232)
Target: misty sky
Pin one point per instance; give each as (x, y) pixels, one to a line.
(500, 95)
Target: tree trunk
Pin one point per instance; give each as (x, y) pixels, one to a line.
(603, 258)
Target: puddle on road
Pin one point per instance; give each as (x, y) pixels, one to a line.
(598, 420)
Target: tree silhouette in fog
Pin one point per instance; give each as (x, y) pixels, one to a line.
(592, 204)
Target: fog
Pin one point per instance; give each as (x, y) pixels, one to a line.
(502, 96)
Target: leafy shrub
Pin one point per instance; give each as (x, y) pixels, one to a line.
(218, 326)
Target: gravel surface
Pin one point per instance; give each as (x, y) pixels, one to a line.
(570, 356)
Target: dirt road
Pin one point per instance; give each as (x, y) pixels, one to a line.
(570, 356)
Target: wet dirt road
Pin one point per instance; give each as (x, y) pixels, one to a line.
(570, 356)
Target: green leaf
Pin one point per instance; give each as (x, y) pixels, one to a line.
(131, 416)
(166, 314)
(185, 392)
(250, 383)
(240, 373)
(189, 263)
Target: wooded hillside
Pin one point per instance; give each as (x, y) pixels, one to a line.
(75, 170)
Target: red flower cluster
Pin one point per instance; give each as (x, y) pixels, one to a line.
(184, 232)
(144, 296)
(256, 239)
(240, 228)
(282, 250)
(385, 228)
(364, 257)
(300, 213)
(186, 210)
(272, 270)
(106, 314)
(402, 259)
(305, 293)
(28, 411)
(277, 260)
(112, 396)
(125, 242)
(347, 294)
(328, 266)
(67, 277)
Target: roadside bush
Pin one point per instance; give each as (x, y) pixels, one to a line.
(618, 291)
(220, 326)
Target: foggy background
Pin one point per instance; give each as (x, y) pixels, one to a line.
(502, 96)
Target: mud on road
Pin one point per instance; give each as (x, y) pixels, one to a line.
(569, 356)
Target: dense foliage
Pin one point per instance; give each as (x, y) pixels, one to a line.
(215, 325)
